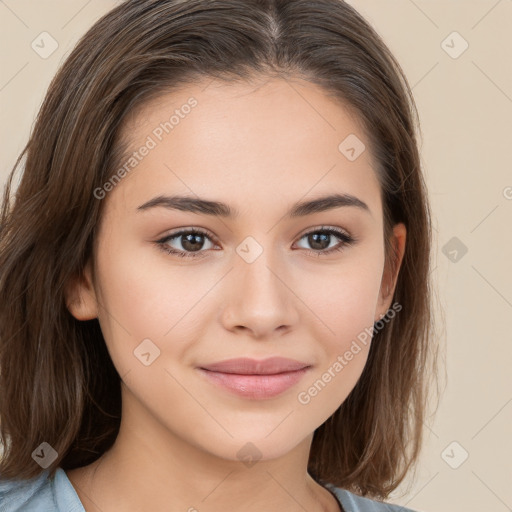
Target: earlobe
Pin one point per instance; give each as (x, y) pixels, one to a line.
(81, 297)
(392, 270)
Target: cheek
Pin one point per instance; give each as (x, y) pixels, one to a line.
(344, 297)
(142, 293)
(346, 308)
(143, 297)
(146, 298)
(136, 304)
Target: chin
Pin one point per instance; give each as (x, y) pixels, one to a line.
(253, 447)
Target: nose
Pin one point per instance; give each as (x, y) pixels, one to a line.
(261, 300)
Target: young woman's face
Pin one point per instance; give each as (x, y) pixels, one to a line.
(265, 281)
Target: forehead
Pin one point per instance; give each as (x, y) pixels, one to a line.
(247, 144)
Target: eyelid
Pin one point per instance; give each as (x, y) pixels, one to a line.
(187, 230)
(346, 239)
(324, 227)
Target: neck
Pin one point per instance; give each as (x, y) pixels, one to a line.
(150, 468)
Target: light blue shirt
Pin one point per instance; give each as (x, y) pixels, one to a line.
(42, 494)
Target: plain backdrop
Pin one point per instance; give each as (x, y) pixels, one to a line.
(457, 56)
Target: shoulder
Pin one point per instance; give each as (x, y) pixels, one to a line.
(39, 493)
(353, 503)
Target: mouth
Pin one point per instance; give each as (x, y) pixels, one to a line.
(253, 379)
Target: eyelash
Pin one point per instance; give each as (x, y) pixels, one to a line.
(345, 238)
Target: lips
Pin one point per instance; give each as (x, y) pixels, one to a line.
(246, 366)
(253, 379)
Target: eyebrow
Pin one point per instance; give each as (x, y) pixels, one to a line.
(220, 209)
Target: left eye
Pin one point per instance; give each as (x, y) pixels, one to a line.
(193, 241)
(318, 238)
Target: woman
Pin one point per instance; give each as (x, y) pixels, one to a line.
(214, 275)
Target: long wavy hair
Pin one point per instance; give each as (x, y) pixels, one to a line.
(57, 381)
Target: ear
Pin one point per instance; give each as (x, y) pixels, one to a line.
(392, 268)
(81, 296)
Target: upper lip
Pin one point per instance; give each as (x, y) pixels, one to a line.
(247, 366)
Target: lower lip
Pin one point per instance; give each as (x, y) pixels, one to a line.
(256, 387)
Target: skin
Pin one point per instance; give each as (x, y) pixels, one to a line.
(260, 148)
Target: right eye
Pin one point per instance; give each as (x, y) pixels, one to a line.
(192, 242)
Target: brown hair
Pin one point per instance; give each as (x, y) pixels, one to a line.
(57, 381)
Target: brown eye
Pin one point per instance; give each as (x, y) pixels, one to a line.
(320, 241)
(186, 243)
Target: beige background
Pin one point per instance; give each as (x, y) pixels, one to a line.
(465, 104)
